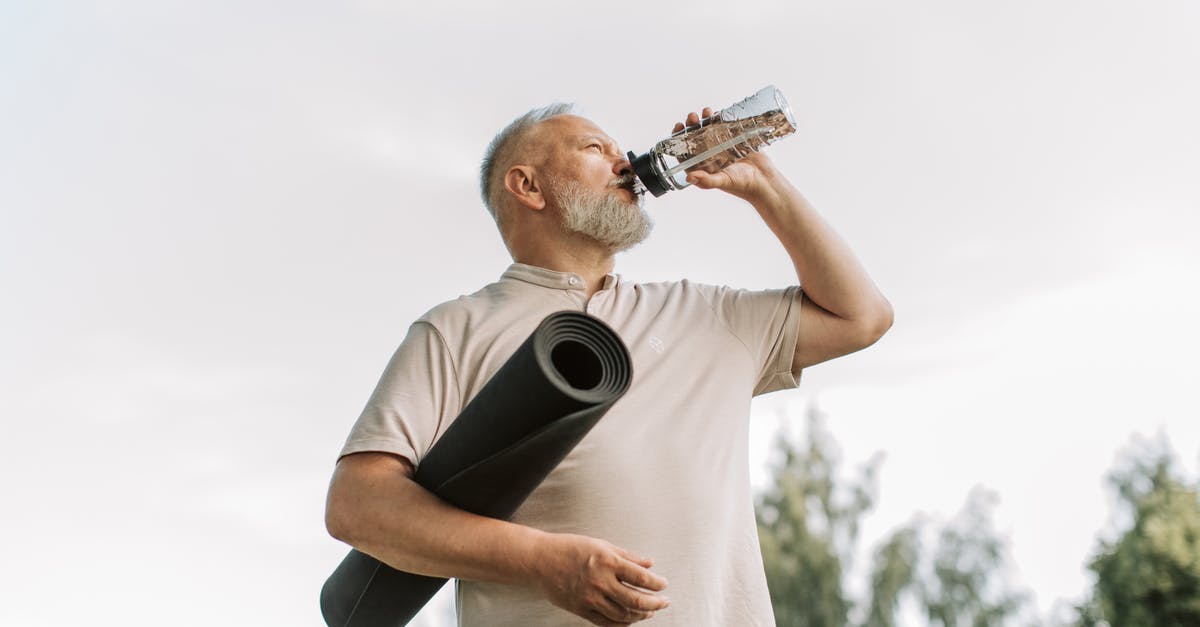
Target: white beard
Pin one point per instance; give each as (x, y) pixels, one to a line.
(614, 223)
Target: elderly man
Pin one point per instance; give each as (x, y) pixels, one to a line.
(651, 516)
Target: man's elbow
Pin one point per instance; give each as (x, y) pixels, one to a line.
(336, 521)
(875, 325)
(359, 480)
(339, 515)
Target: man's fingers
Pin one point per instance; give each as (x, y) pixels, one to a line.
(636, 575)
(704, 180)
(635, 558)
(633, 599)
(621, 613)
(596, 618)
(693, 119)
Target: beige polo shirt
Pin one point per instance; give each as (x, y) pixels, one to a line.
(664, 473)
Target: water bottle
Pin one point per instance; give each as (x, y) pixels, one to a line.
(717, 141)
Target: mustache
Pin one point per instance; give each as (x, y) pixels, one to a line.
(628, 181)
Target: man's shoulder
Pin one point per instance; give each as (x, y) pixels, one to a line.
(458, 312)
(687, 294)
(696, 288)
(677, 288)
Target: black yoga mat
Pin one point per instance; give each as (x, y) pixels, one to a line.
(523, 422)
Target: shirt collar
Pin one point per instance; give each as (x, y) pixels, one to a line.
(552, 278)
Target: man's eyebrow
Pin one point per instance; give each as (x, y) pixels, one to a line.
(597, 138)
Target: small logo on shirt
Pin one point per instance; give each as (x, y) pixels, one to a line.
(657, 344)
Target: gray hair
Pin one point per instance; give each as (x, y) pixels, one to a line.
(502, 145)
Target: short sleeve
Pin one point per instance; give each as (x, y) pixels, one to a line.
(415, 399)
(767, 322)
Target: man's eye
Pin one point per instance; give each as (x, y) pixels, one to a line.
(596, 146)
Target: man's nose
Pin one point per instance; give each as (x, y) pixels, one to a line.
(622, 167)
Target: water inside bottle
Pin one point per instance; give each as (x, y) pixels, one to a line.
(724, 141)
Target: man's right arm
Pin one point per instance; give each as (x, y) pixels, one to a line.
(375, 506)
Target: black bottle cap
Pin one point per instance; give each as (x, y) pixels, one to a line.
(645, 173)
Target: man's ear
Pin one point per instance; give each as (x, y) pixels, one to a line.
(521, 181)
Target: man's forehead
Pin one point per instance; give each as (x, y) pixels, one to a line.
(573, 126)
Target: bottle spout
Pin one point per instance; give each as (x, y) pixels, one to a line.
(649, 179)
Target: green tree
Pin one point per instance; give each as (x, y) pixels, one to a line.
(966, 586)
(893, 572)
(808, 523)
(1149, 576)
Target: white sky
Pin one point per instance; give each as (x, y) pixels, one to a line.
(219, 218)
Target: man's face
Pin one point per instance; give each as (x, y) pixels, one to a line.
(591, 183)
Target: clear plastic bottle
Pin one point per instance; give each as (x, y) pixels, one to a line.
(717, 141)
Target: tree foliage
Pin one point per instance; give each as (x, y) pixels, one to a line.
(967, 588)
(1149, 576)
(808, 523)
(893, 571)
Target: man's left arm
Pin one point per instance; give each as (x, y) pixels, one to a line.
(843, 311)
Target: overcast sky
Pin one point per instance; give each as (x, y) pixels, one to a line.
(219, 218)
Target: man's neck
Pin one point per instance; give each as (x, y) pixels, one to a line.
(591, 262)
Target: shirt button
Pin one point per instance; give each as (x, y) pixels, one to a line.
(573, 281)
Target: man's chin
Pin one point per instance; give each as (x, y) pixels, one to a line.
(611, 220)
(628, 196)
(630, 245)
(619, 244)
(622, 246)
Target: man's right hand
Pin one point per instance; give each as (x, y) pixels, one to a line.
(376, 507)
(603, 583)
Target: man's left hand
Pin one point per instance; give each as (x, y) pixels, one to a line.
(749, 178)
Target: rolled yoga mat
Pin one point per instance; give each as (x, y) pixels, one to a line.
(524, 421)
